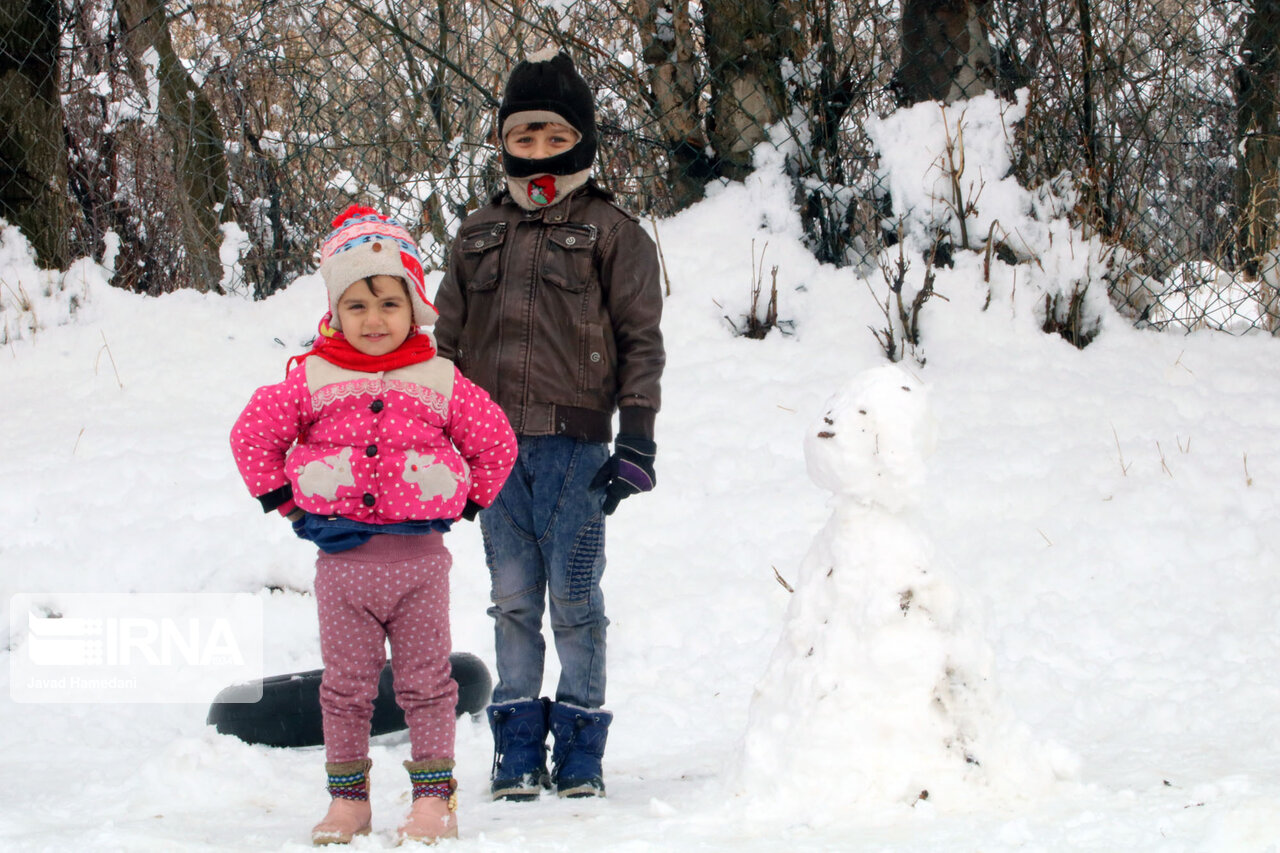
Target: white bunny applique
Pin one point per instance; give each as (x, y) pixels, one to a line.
(432, 477)
(325, 476)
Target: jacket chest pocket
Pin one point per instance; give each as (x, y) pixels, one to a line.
(481, 247)
(567, 260)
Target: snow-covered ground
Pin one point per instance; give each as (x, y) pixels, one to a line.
(1090, 535)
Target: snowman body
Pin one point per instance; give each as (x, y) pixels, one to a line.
(879, 689)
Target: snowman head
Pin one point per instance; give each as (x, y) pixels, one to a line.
(872, 439)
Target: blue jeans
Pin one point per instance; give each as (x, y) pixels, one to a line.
(544, 539)
(335, 534)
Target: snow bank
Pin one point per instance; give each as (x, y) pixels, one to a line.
(32, 298)
(949, 174)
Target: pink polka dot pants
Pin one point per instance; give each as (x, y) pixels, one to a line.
(393, 588)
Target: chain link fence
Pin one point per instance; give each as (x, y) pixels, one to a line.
(201, 132)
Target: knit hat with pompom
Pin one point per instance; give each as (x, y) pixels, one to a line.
(364, 243)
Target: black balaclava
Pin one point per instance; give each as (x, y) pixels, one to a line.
(549, 90)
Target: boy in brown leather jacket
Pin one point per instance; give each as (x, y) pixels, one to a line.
(551, 304)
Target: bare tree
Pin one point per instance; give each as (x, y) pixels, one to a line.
(33, 156)
(841, 76)
(1140, 111)
(191, 124)
(1091, 208)
(1258, 134)
(668, 49)
(945, 52)
(747, 43)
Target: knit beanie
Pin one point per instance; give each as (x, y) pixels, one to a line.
(365, 243)
(547, 88)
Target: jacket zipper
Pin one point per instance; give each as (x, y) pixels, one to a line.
(539, 246)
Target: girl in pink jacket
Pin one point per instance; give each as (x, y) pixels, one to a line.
(372, 446)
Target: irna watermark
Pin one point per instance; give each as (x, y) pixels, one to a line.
(132, 647)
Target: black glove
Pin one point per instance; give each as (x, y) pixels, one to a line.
(471, 510)
(628, 471)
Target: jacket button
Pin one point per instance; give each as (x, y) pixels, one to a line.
(595, 357)
(368, 499)
(371, 450)
(375, 406)
(479, 244)
(569, 241)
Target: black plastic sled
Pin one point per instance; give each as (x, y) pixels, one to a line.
(288, 714)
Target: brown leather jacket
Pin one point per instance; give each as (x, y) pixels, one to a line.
(555, 313)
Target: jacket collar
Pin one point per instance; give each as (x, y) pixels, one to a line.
(556, 212)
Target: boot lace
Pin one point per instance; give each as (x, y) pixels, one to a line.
(500, 742)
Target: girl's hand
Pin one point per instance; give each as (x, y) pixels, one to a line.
(471, 510)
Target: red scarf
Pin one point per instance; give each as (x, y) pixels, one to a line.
(333, 347)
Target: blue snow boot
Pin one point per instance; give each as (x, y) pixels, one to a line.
(519, 749)
(578, 750)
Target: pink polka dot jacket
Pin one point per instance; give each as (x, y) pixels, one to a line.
(410, 444)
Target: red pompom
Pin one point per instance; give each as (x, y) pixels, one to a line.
(353, 212)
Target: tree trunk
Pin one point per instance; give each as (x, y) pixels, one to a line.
(1258, 136)
(666, 32)
(945, 52)
(33, 151)
(747, 41)
(188, 118)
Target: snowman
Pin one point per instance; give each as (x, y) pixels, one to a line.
(879, 690)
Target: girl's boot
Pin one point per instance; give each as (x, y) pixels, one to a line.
(434, 812)
(577, 756)
(349, 813)
(519, 749)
